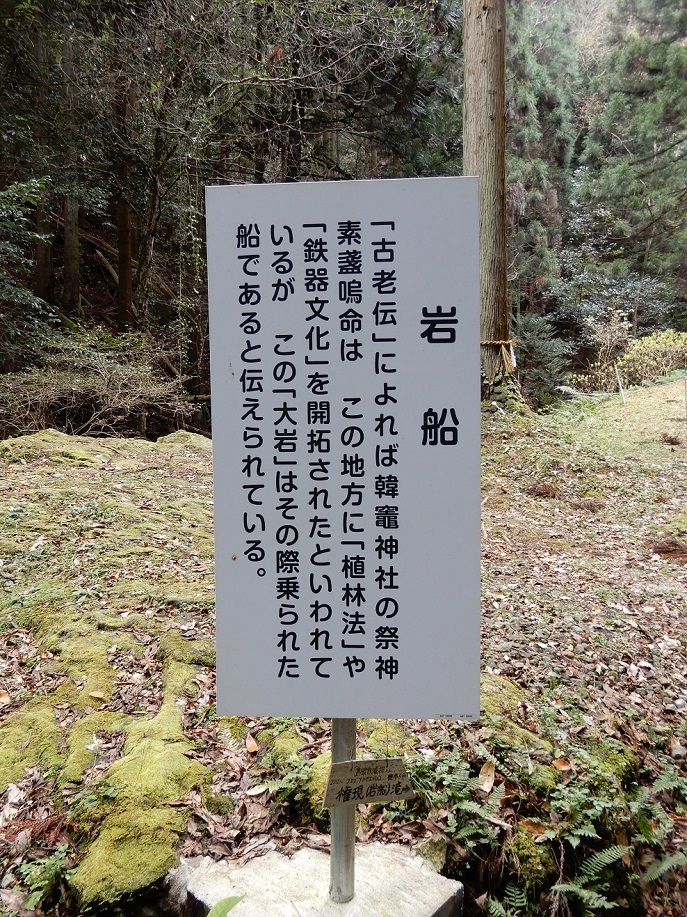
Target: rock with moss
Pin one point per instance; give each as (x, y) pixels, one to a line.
(317, 785)
(166, 725)
(533, 862)
(85, 659)
(386, 738)
(173, 645)
(29, 738)
(155, 771)
(282, 745)
(499, 696)
(134, 849)
(182, 439)
(58, 447)
(610, 764)
(82, 736)
(434, 849)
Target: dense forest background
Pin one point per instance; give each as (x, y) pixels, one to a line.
(115, 114)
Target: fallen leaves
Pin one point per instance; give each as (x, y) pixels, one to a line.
(576, 612)
(536, 829)
(251, 745)
(487, 776)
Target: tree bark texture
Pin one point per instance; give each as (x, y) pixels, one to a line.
(71, 272)
(125, 296)
(43, 277)
(484, 155)
(146, 245)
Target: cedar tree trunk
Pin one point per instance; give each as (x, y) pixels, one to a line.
(484, 141)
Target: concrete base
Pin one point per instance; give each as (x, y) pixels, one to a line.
(389, 882)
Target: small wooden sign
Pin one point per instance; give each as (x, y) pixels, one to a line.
(362, 781)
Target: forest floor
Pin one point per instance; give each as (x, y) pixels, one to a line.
(571, 791)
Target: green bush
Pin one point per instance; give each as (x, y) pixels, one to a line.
(22, 315)
(648, 358)
(645, 360)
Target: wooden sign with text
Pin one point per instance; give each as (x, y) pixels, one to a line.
(358, 782)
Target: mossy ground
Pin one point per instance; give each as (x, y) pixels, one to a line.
(133, 849)
(101, 537)
(106, 549)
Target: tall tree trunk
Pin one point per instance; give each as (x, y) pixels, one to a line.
(125, 295)
(43, 277)
(484, 141)
(71, 273)
(71, 276)
(125, 291)
(146, 247)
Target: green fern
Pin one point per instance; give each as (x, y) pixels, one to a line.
(515, 897)
(575, 834)
(514, 903)
(670, 780)
(591, 900)
(585, 886)
(496, 909)
(660, 867)
(474, 808)
(493, 803)
(467, 831)
(594, 866)
(652, 822)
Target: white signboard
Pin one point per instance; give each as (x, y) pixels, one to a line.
(344, 332)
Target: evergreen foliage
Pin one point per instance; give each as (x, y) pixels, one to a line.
(637, 142)
(23, 315)
(542, 77)
(543, 359)
(116, 115)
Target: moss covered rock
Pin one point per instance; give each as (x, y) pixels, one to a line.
(28, 738)
(134, 849)
(58, 447)
(173, 645)
(84, 659)
(499, 696)
(534, 862)
(182, 439)
(282, 745)
(155, 771)
(317, 785)
(434, 849)
(166, 725)
(82, 736)
(386, 738)
(610, 763)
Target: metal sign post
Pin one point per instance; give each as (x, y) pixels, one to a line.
(342, 875)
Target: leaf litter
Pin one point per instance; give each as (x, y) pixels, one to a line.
(583, 646)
